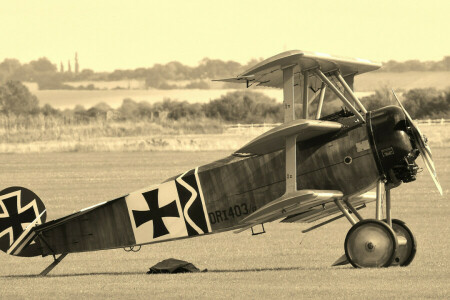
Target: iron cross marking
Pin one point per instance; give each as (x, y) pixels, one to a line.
(155, 214)
(14, 218)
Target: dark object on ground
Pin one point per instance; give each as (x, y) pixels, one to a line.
(173, 265)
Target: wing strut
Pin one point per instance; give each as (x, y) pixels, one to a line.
(339, 94)
(305, 95)
(322, 97)
(291, 141)
(349, 90)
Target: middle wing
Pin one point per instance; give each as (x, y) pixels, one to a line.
(274, 139)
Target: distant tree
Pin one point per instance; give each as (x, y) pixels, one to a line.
(446, 63)
(244, 107)
(9, 65)
(48, 110)
(129, 109)
(145, 110)
(427, 103)
(86, 74)
(43, 65)
(69, 68)
(216, 68)
(100, 110)
(77, 66)
(61, 67)
(197, 85)
(15, 98)
(381, 98)
(24, 73)
(182, 109)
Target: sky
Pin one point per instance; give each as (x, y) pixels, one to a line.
(130, 34)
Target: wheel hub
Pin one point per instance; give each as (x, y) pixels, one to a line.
(370, 246)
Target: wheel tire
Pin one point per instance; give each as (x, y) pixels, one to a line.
(405, 253)
(371, 244)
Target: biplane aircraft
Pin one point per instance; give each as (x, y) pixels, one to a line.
(304, 170)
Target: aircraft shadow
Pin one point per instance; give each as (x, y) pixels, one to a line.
(144, 273)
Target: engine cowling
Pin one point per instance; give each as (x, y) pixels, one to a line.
(394, 150)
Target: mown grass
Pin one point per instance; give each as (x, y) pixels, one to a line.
(281, 264)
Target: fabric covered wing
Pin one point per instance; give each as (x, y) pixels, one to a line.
(322, 211)
(274, 139)
(289, 204)
(269, 72)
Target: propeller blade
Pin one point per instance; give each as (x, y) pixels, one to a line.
(430, 166)
(421, 144)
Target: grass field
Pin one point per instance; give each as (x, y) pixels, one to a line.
(282, 264)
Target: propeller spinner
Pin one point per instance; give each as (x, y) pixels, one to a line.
(422, 145)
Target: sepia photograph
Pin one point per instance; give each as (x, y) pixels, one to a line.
(224, 149)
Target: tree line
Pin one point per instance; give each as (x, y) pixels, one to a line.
(245, 106)
(46, 75)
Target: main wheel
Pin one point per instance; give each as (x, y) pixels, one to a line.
(371, 244)
(406, 251)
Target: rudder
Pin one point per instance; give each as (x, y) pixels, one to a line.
(20, 211)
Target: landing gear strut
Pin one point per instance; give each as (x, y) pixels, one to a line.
(376, 243)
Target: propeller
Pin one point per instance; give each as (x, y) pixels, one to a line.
(422, 145)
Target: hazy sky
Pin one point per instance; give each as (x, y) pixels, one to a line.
(128, 34)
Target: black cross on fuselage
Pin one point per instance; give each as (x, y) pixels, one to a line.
(155, 213)
(15, 219)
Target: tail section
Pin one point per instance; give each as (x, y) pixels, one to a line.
(21, 211)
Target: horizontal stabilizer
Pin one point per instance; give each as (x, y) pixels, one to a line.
(274, 139)
(288, 204)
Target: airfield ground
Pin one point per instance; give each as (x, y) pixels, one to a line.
(283, 263)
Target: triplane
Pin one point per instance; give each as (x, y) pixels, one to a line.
(304, 170)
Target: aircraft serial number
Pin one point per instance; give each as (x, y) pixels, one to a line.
(230, 213)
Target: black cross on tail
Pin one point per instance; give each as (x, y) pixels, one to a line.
(13, 219)
(155, 214)
(19, 207)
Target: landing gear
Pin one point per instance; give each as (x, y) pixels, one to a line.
(407, 244)
(371, 244)
(376, 243)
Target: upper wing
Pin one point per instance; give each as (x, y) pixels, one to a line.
(270, 71)
(274, 139)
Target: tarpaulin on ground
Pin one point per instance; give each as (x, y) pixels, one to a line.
(173, 265)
